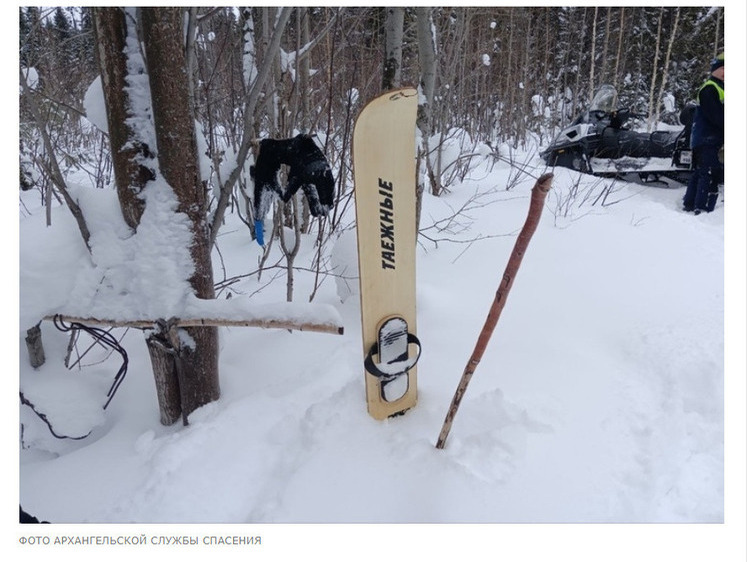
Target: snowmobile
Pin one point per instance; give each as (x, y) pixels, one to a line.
(602, 142)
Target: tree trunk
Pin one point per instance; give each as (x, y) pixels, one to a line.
(665, 68)
(163, 361)
(605, 49)
(307, 119)
(271, 101)
(427, 56)
(652, 86)
(618, 58)
(593, 53)
(393, 32)
(128, 151)
(35, 347)
(177, 158)
(581, 39)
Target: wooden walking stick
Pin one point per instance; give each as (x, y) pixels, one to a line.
(539, 192)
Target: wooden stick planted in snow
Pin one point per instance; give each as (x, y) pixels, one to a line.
(539, 192)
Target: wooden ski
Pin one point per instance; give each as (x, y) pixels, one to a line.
(384, 174)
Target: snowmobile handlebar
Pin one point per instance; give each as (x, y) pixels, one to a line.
(622, 112)
(620, 116)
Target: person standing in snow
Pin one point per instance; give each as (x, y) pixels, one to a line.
(707, 142)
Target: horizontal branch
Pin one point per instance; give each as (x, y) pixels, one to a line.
(281, 324)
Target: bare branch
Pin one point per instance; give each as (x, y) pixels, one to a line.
(250, 104)
(54, 168)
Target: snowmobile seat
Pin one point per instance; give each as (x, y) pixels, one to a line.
(663, 143)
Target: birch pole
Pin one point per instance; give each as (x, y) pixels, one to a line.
(593, 52)
(618, 58)
(539, 192)
(665, 68)
(654, 73)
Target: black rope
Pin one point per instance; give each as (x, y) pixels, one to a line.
(105, 338)
(101, 336)
(44, 418)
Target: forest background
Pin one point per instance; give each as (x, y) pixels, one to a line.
(505, 75)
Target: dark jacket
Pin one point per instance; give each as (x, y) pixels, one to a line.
(708, 123)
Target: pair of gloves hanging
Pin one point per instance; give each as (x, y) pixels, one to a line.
(309, 170)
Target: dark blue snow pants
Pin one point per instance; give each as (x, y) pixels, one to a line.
(702, 189)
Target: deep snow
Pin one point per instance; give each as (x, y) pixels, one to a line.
(603, 396)
(600, 398)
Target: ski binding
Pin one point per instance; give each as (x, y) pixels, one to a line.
(394, 359)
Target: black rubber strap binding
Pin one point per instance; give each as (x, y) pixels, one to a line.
(408, 363)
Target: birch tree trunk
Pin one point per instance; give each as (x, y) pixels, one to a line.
(618, 58)
(304, 71)
(427, 56)
(273, 77)
(665, 69)
(304, 85)
(581, 39)
(716, 42)
(393, 33)
(197, 363)
(652, 87)
(593, 53)
(605, 48)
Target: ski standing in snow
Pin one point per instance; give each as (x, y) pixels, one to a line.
(384, 170)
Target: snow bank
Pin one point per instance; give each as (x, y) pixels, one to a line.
(600, 397)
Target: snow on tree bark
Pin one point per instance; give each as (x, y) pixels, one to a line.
(126, 92)
(128, 151)
(178, 163)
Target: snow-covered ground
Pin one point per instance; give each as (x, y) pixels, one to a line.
(600, 399)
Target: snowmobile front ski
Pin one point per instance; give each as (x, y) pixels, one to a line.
(384, 173)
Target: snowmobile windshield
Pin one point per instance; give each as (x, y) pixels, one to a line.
(605, 99)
